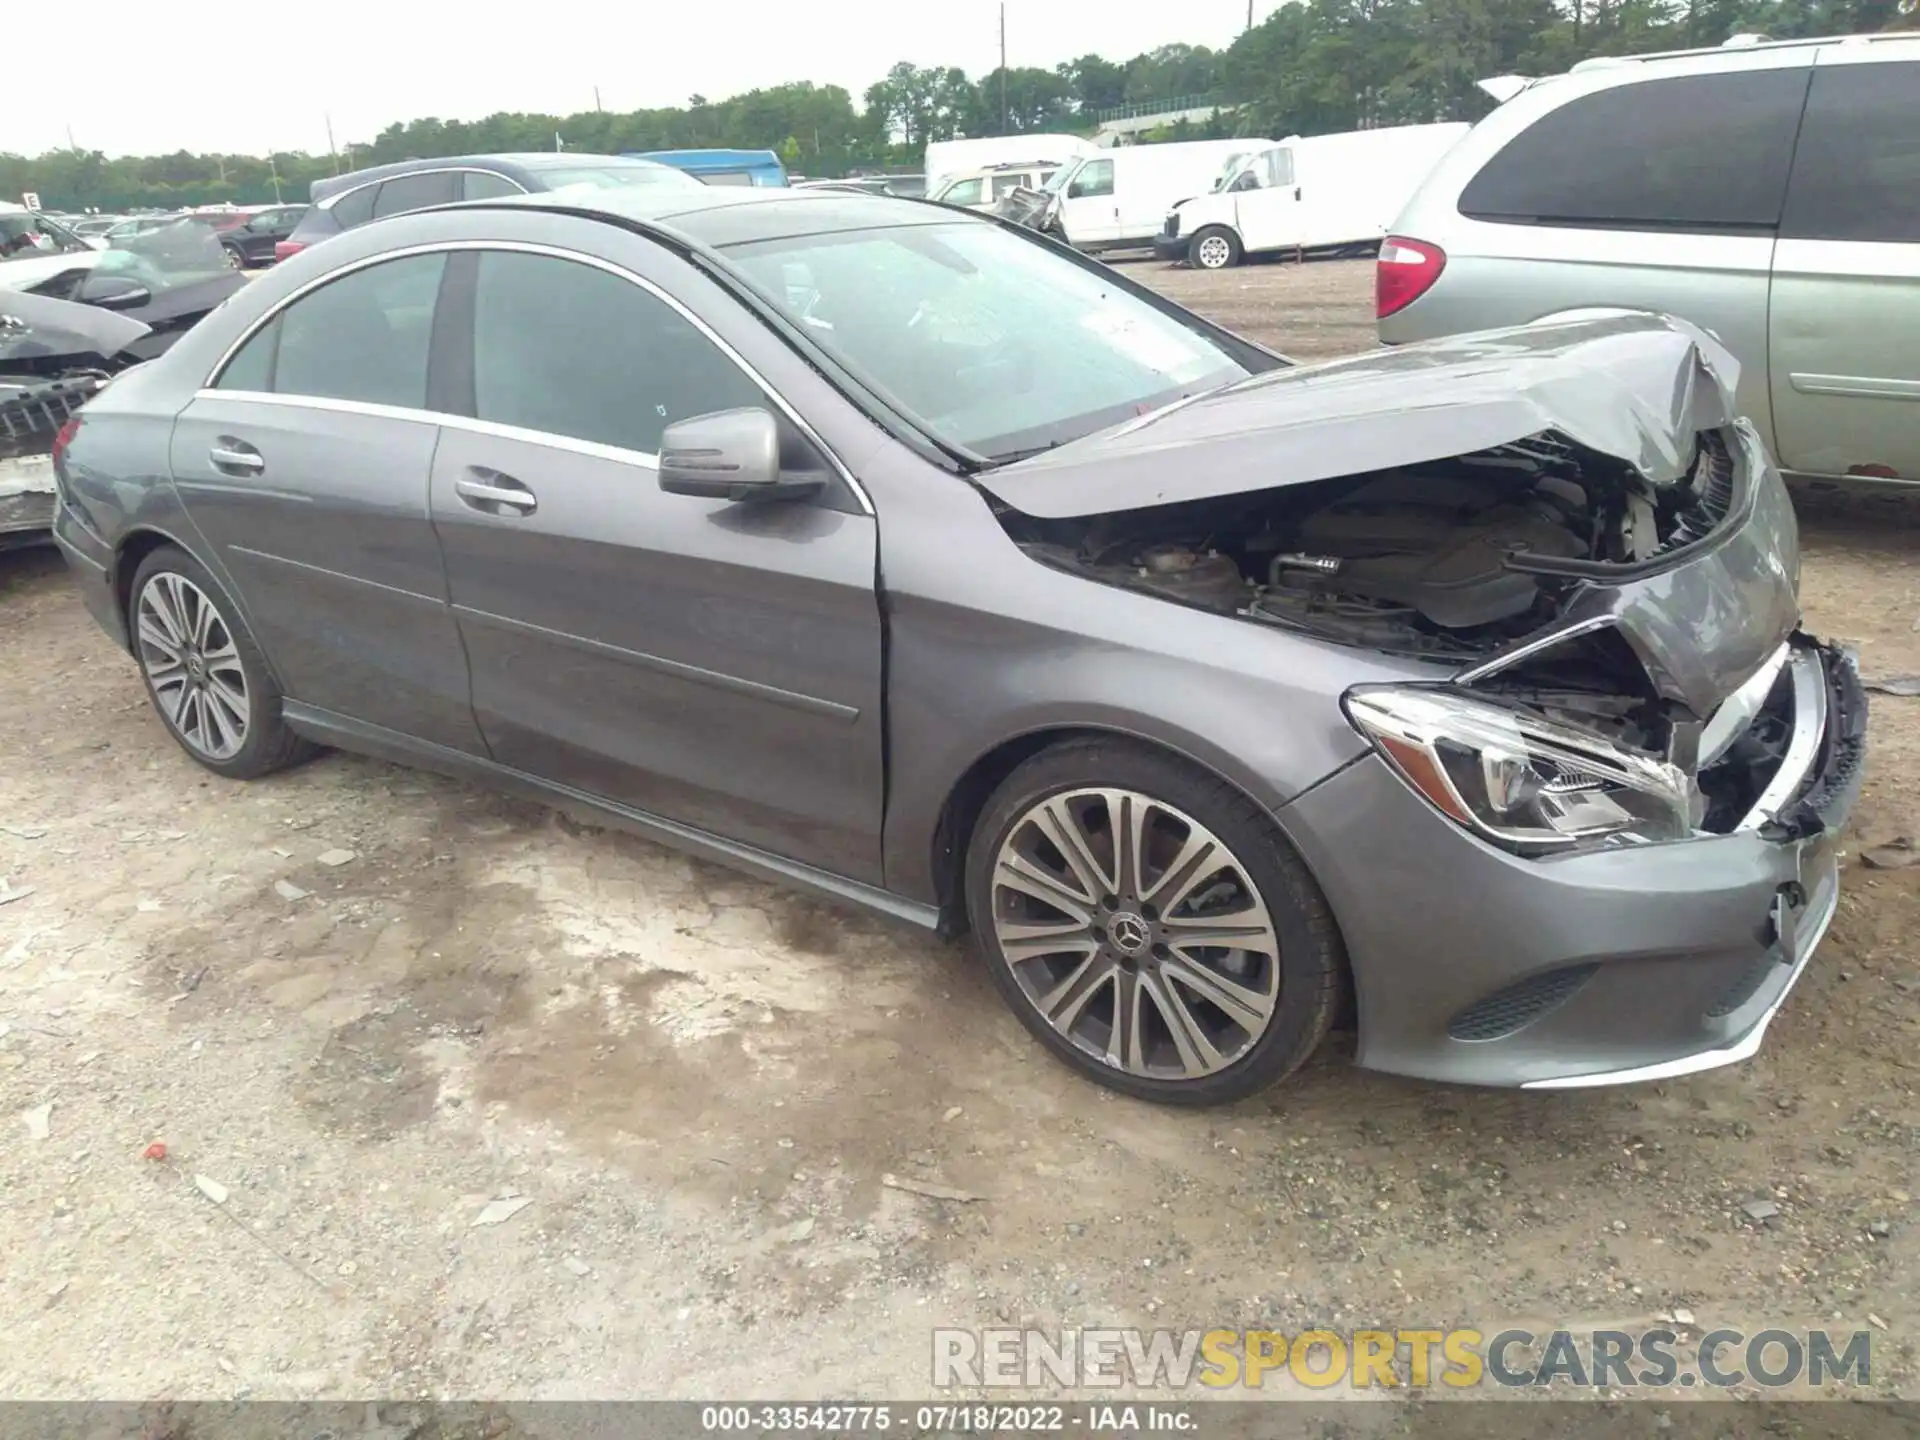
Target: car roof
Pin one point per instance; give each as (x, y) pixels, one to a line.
(513, 165)
(720, 216)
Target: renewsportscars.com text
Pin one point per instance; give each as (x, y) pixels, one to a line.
(1654, 1359)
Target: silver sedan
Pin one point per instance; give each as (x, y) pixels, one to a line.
(913, 559)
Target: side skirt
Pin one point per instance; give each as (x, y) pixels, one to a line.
(341, 732)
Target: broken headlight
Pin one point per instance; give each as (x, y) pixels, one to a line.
(1521, 781)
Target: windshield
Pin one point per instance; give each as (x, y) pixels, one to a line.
(1057, 181)
(166, 257)
(609, 177)
(26, 233)
(992, 343)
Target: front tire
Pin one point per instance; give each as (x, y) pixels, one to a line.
(1151, 925)
(1214, 248)
(204, 674)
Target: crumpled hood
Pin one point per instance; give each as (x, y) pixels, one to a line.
(36, 327)
(1626, 383)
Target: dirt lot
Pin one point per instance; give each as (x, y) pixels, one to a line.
(697, 1081)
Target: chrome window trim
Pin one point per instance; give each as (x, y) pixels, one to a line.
(339, 195)
(209, 389)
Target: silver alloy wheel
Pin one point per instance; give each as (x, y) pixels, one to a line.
(1214, 252)
(193, 666)
(1136, 933)
(235, 260)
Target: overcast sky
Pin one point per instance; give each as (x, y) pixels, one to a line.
(251, 81)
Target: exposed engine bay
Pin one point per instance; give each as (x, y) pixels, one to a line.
(1445, 560)
(1451, 561)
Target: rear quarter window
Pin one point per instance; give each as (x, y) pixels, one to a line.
(1687, 152)
(354, 208)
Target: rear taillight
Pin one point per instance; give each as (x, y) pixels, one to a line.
(1406, 271)
(63, 437)
(283, 248)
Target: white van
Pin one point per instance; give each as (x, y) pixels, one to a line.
(948, 158)
(983, 189)
(1118, 198)
(1306, 194)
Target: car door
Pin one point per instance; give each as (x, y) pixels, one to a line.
(714, 664)
(1844, 322)
(1087, 211)
(304, 464)
(1267, 208)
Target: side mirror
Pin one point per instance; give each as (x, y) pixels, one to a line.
(729, 455)
(110, 292)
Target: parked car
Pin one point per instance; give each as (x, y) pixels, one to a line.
(946, 158)
(344, 202)
(1770, 193)
(1119, 200)
(912, 187)
(900, 554)
(255, 242)
(95, 225)
(1318, 193)
(985, 189)
(136, 225)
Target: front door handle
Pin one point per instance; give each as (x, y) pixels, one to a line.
(236, 457)
(492, 493)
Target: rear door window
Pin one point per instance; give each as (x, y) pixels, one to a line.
(416, 192)
(1856, 173)
(362, 337)
(1691, 152)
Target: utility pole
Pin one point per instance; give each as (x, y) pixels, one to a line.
(1249, 14)
(274, 170)
(76, 149)
(596, 100)
(1004, 123)
(330, 145)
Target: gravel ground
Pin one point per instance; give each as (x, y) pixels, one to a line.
(687, 1087)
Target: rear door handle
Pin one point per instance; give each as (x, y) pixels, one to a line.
(236, 457)
(492, 493)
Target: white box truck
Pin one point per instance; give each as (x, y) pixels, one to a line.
(1117, 199)
(1319, 193)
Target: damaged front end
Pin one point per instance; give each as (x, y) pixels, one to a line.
(1603, 578)
(54, 356)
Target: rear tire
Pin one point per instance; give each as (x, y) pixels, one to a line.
(1109, 973)
(1214, 248)
(204, 673)
(235, 260)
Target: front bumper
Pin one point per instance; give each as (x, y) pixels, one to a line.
(1635, 963)
(1169, 247)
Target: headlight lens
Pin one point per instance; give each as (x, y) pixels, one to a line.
(1524, 782)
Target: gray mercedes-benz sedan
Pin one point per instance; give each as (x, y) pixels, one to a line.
(909, 557)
